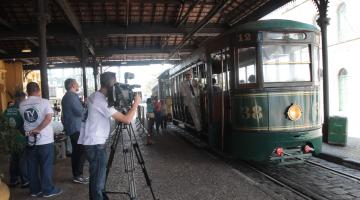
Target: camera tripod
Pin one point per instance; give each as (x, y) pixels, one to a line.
(128, 150)
(140, 127)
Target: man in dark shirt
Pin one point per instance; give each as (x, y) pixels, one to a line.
(18, 162)
(72, 109)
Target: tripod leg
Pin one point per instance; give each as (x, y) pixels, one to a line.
(129, 166)
(112, 151)
(140, 160)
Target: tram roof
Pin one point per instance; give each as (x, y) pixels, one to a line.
(274, 25)
(121, 32)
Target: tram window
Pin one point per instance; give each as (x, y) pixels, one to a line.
(246, 65)
(286, 63)
(316, 65)
(202, 73)
(285, 36)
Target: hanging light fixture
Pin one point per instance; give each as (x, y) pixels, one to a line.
(26, 49)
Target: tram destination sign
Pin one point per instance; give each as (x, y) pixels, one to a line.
(245, 37)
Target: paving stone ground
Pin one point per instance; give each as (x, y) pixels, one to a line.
(178, 170)
(350, 151)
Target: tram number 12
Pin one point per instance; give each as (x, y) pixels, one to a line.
(244, 37)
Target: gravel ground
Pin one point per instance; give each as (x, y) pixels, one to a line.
(177, 169)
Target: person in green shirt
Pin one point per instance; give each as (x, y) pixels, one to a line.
(18, 163)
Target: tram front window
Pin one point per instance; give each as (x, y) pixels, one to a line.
(246, 65)
(286, 63)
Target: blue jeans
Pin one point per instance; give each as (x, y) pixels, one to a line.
(158, 121)
(19, 167)
(40, 160)
(96, 155)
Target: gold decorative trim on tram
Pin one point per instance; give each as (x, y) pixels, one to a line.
(278, 128)
(276, 94)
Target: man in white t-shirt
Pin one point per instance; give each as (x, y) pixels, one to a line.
(37, 115)
(95, 130)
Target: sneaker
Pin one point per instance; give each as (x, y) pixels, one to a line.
(25, 185)
(36, 194)
(81, 180)
(56, 192)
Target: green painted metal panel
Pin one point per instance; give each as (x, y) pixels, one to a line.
(337, 130)
(258, 147)
(279, 104)
(250, 112)
(267, 112)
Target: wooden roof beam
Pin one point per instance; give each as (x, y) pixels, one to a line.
(33, 41)
(63, 52)
(65, 6)
(12, 28)
(186, 16)
(95, 30)
(3, 51)
(103, 63)
(27, 61)
(127, 10)
(6, 24)
(200, 25)
(257, 11)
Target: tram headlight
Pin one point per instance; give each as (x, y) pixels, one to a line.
(294, 112)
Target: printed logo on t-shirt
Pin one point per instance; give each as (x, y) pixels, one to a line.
(12, 122)
(31, 115)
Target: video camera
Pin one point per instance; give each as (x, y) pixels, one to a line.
(122, 94)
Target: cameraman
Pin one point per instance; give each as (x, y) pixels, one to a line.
(95, 130)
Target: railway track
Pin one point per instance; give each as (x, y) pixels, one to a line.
(341, 173)
(301, 188)
(301, 192)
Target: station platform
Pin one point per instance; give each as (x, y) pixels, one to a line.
(348, 155)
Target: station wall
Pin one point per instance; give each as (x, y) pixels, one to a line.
(3, 102)
(11, 80)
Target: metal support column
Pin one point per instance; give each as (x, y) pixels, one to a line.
(210, 95)
(43, 18)
(83, 61)
(95, 72)
(323, 22)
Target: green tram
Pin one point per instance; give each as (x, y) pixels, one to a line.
(268, 106)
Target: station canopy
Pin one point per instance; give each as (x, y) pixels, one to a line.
(120, 32)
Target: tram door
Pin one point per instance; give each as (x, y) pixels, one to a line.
(219, 97)
(203, 97)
